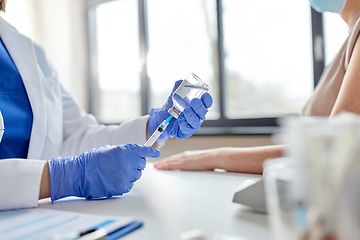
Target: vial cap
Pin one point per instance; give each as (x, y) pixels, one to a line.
(174, 113)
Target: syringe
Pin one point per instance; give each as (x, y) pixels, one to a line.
(158, 132)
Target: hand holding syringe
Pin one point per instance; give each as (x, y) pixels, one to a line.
(190, 88)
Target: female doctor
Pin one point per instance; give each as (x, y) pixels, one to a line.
(42, 121)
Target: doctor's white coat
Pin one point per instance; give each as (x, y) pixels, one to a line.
(60, 126)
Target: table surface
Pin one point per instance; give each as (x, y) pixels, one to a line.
(173, 202)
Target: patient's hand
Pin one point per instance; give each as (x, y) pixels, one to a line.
(232, 159)
(202, 160)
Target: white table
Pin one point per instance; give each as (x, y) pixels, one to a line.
(172, 202)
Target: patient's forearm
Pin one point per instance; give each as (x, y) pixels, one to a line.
(247, 159)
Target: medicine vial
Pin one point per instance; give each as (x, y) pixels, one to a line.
(191, 87)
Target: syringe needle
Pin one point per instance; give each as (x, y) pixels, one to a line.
(152, 139)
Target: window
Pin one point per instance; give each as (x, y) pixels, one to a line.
(182, 39)
(267, 52)
(335, 33)
(256, 55)
(118, 61)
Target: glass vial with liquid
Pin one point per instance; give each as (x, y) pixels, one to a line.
(190, 88)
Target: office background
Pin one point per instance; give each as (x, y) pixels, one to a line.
(120, 58)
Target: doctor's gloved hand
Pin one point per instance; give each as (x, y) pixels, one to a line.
(101, 172)
(188, 122)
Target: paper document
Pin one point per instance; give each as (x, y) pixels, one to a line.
(40, 223)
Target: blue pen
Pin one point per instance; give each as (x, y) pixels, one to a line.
(93, 234)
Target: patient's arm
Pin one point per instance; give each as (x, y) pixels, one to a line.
(348, 97)
(248, 160)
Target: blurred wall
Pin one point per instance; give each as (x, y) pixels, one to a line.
(59, 27)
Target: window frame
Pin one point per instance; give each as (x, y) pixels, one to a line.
(223, 125)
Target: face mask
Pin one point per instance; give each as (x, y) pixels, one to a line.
(334, 6)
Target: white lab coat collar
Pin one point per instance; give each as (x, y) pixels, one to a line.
(21, 50)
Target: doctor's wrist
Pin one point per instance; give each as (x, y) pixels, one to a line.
(45, 183)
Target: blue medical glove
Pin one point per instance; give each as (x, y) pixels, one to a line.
(188, 122)
(101, 172)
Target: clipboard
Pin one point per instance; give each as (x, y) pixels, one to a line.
(51, 224)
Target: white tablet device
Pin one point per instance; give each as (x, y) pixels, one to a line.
(252, 193)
